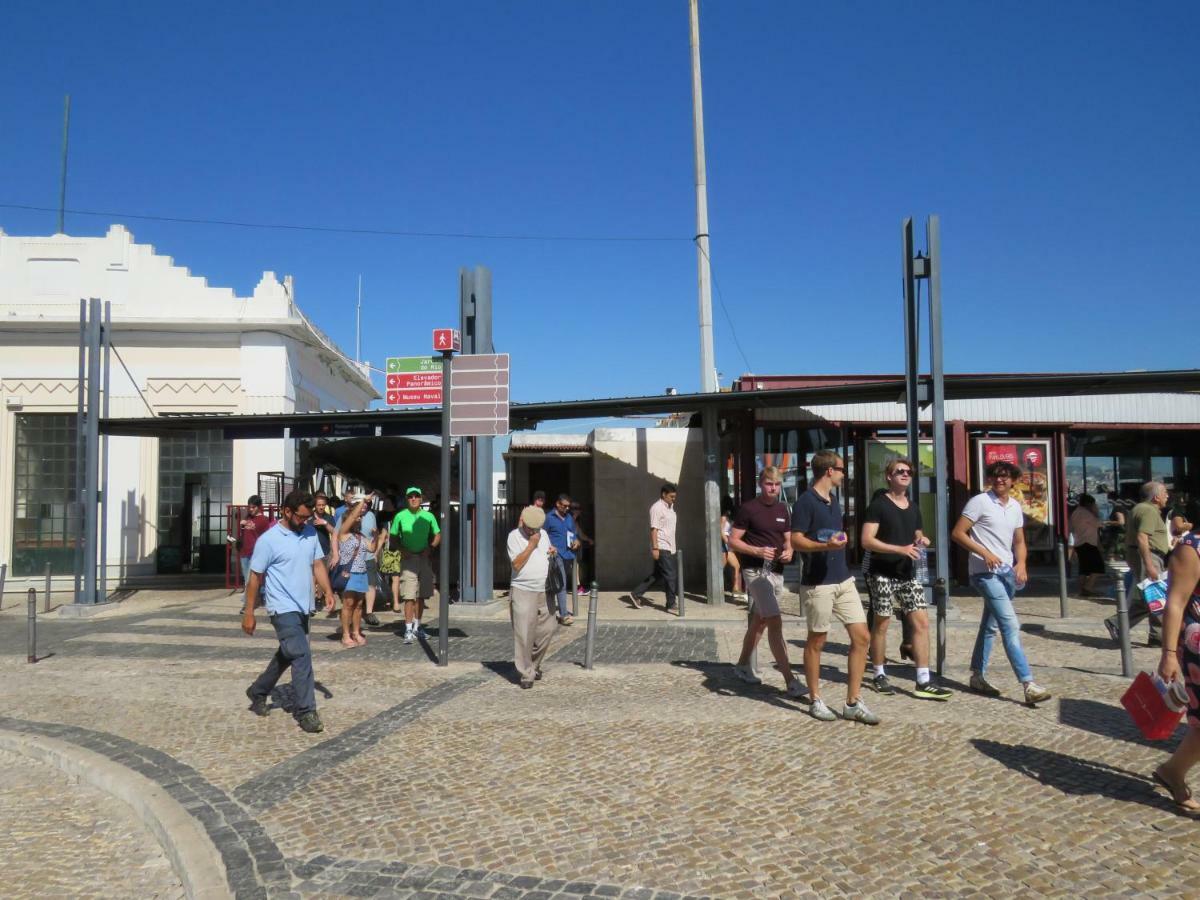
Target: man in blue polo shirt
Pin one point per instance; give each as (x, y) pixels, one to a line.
(286, 560)
(560, 526)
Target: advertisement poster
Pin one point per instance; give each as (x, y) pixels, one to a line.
(1034, 490)
(880, 453)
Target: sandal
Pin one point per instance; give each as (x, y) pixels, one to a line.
(906, 652)
(1185, 804)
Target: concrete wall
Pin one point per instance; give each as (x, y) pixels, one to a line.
(629, 467)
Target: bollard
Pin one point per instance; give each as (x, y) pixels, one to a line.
(46, 602)
(1062, 579)
(679, 580)
(573, 586)
(1123, 625)
(589, 647)
(31, 623)
(939, 599)
(3, 576)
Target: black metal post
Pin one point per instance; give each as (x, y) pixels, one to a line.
(1061, 553)
(589, 647)
(31, 624)
(47, 600)
(91, 486)
(3, 576)
(1123, 624)
(941, 464)
(444, 548)
(679, 580)
(106, 382)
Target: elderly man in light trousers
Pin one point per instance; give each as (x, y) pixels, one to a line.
(533, 612)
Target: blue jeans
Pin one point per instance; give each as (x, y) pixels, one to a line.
(998, 615)
(292, 631)
(567, 567)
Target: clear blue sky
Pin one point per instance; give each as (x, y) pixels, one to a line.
(1058, 142)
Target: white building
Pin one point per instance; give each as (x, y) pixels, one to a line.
(180, 345)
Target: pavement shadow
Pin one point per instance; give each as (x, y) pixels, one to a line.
(505, 668)
(1075, 775)
(283, 697)
(834, 647)
(1091, 641)
(719, 678)
(1109, 721)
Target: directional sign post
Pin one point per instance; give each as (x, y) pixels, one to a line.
(447, 340)
(413, 381)
(479, 393)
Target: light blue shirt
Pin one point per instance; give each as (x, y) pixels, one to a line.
(285, 560)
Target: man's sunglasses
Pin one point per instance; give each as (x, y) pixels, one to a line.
(902, 472)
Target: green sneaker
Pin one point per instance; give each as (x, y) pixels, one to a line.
(931, 690)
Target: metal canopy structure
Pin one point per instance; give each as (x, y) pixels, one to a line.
(357, 423)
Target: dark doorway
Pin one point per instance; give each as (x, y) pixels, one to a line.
(553, 477)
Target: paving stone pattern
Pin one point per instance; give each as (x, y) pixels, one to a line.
(657, 775)
(50, 817)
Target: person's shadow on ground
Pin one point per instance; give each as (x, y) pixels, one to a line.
(1093, 642)
(283, 697)
(1109, 721)
(719, 678)
(1074, 775)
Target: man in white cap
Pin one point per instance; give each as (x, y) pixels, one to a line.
(533, 613)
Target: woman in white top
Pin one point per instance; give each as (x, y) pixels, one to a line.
(1085, 532)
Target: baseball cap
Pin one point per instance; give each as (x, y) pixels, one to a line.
(533, 517)
(412, 490)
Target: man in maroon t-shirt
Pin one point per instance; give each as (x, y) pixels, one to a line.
(252, 526)
(762, 539)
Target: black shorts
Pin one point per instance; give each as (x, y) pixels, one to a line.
(1090, 560)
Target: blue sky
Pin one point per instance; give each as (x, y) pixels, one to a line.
(1058, 142)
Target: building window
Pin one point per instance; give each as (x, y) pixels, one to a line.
(45, 514)
(195, 485)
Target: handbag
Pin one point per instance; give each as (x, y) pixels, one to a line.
(341, 574)
(555, 579)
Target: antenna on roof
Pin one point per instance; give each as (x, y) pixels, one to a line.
(358, 324)
(62, 184)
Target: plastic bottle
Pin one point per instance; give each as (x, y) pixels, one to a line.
(921, 569)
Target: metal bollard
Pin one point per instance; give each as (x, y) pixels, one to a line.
(1123, 625)
(679, 580)
(1062, 579)
(573, 584)
(3, 576)
(46, 602)
(31, 623)
(939, 599)
(589, 647)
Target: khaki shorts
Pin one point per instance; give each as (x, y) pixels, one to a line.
(416, 578)
(822, 602)
(763, 587)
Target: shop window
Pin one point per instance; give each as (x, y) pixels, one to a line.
(45, 512)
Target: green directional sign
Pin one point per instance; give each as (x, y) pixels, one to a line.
(413, 364)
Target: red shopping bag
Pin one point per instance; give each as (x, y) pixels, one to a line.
(1148, 708)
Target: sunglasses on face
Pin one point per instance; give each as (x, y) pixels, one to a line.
(837, 468)
(899, 472)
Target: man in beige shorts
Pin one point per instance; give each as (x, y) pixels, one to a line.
(828, 587)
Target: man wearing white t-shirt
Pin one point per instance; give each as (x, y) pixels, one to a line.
(533, 613)
(992, 528)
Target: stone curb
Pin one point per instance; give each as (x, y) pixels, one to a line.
(193, 857)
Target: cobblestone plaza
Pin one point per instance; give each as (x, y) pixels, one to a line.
(656, 775)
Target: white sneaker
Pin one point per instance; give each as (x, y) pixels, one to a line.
(747, 674)
(408, 635)
(796, 690)
(859, 713)
(819, 710)
(1035, 694)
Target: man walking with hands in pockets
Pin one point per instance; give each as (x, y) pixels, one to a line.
(992, 527)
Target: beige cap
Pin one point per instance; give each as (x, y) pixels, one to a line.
(533, 517)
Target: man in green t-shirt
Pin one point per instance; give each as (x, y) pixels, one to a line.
(1147, 542)
(418, 533)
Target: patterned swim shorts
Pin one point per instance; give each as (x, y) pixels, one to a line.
(887, 593)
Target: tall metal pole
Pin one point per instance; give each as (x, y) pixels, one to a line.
(358, 324)
(62, 182)
(91, 453)
(941, 465)
(911, 359)
(444, 548)
(77, 518)
(106, 343)
(483, 457)
(714, 570)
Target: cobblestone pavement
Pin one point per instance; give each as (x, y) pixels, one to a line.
(656, 775)
(49, 817)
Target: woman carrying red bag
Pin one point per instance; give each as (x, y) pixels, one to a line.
(1181, 661)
